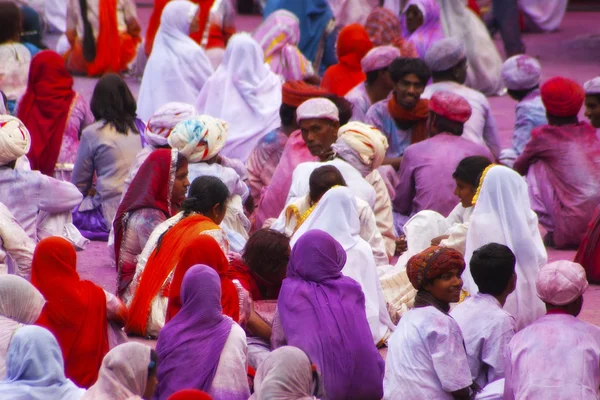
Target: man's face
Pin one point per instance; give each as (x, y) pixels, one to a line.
(460, 71)
(319, 134)
(592, 109)
(408, 91)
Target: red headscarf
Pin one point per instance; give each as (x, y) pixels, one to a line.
(75, 310)
(45, 108)
(190, 394)
(353, 44)
(151, 188)
(206, 251)
(562, 97)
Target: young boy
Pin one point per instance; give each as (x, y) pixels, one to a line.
(558, 356)
(486, 327)
(426, 357)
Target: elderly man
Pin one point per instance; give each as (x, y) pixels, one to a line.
(558, 356)
(562, 164)
(592, 101)
(521, 76)
(378, 83)
(425, 181)
(447, 60)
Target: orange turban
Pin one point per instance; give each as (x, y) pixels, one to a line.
(562, 97)
(431, 263)
(295, 93)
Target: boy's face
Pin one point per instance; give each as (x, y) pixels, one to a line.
(447, 287)
(592, 109)
(465, 192)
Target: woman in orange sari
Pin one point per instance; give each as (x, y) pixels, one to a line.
(103, 34)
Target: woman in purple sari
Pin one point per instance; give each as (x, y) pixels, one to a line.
(323, 313)
(421, 24)
(200, 348)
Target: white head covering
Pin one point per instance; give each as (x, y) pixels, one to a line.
(19, 299)
(502, 214)
(561, 282)
(35, 368)
(123, 374)
(200, 138)
(445, 54)
(245, 93)
(164, 120)
(521, 72)
(379, 57)
(318, 107)
(178, 67)
(14, 139)
(362, 145)
(592, 86)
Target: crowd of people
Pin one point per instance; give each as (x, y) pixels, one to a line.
(319, 209)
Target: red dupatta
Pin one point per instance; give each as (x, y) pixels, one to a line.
(107, 58)
(45, 109)
(75, 310)
(206, 251)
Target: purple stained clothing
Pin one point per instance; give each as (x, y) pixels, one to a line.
(398, 139)
(562, 164)
(263, 161)
(360, 101)
(425, 176)
(431, 29)
(189, 346)
(323, 313)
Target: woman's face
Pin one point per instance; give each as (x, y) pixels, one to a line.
(446, 287)
(180, 187)
(414, 18)
(464, 192)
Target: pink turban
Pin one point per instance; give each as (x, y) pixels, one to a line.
(451, 106)
(562, 97)
(317, 108)
(379, 57)
(561, 282)
(521, 72)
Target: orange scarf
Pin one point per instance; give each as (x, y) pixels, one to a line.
(419, 114)
(161, 263)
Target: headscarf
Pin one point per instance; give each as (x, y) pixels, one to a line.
(418, 113)
(107, 59)
(75, 311)
(123, 375)
(521, 72)
(206, 251)
(451, 106)
(151, 187)
(199, 138)
(562, 97)
(383, 27)
(286, 374)
(362, 145)
(45, 109)
(14, 139)
(319, 108)
(190, 345)
(190, 394)
(176, 62)
(561, 282)
(297, 92)
(431, 263)
(278, 35)
(592, 86)
(431, 29)
(445, 54)
(34, 368)
(245, 93)
(379, 57)
(163, 121)
(352, 45)
(323, 313)
(161, 263)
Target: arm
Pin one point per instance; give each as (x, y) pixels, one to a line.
(393, 161)
(131, 20)
(490, 134)
(257, 327)
(16, 242)
(83, 171)
(524, 160)
(58, 196)
(494, 350)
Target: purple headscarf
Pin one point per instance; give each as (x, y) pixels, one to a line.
(189, 346)
(431, 30)
(323, 313)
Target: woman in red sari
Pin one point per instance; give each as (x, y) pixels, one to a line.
(75, 312)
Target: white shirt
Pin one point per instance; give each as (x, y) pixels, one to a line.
(487, 329)
(457, 233)
(426, 357)
(15, 243)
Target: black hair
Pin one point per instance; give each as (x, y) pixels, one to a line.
(594, 95)
(373, 75)
(31, 27)
(322, 179)
(10, 21)
(205, 192)
(344, 107)
(469, 169)
(445, 125)
(520, 94)
(401, 67)
(266, 253)
(181, 160)
(113, 102)
(286, 114)
(153, 366)
(492, 267)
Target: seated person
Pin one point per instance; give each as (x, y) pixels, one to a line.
(562, 165)
(426, 354)
(16, 248)
(486, 327)
(424, 177)
(558, 355)
(521, 75)
(592, 101)
(402, 116)
(32, 28)
(447, 60)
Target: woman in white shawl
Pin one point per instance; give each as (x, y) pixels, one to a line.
(178, 68)
(35, 368)
(20, 304)
(245, 93)
(336, 213)
(503, 215)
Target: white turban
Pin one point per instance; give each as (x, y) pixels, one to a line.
(521, 72)
(561, 282)
(318, 107)
(164, 120)
(200, 138)
(14, 139)
(592, 86)
(362, 145)
(20, 300)
(445, 54)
